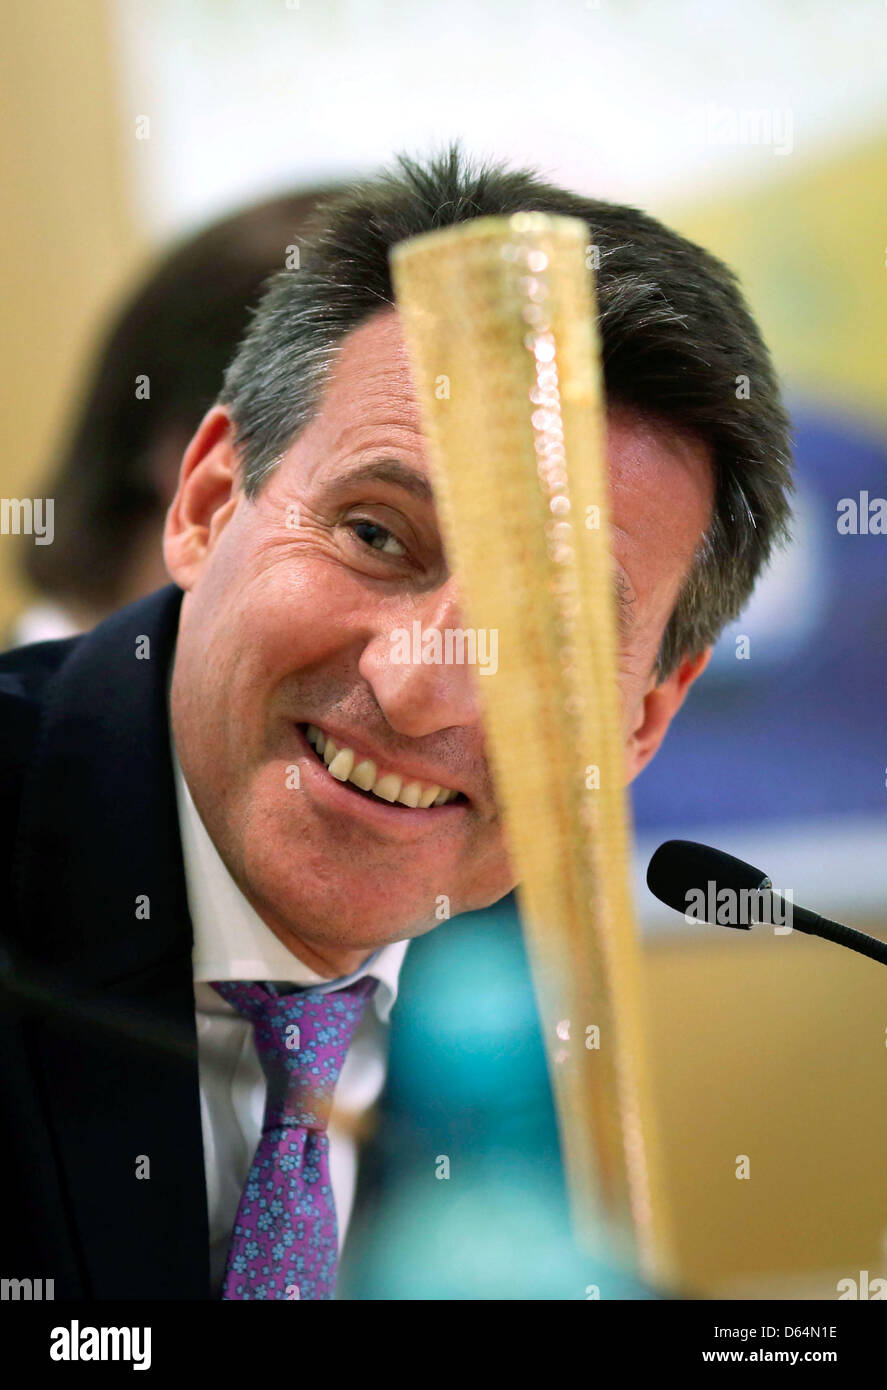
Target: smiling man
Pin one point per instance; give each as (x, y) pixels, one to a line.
(230, 808)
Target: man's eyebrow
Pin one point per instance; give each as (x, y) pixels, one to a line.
(390, 471)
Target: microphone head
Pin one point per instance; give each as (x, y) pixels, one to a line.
(680, 868)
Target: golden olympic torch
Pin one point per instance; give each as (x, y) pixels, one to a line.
(499, 319)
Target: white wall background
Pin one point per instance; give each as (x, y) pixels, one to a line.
(631, 99)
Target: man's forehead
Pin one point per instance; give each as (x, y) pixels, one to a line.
(369, 406)
(662, 481)
(649, 459)
(373, 370)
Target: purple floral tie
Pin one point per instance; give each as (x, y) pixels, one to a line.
(285, 1242)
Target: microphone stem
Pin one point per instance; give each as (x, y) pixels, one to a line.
(813, 925)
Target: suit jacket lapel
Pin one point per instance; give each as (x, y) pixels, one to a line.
(101, 893)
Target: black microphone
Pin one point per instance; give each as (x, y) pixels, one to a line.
(728, 892)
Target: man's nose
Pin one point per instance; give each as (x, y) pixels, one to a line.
(414, 671)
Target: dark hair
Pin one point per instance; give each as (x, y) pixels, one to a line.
(179, 328)
(677, 340)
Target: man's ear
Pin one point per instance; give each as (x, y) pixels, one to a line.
(205, 497)
(659, 706)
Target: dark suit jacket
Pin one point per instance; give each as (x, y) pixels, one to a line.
(99, 1051)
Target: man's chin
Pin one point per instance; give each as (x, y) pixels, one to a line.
(331, 928)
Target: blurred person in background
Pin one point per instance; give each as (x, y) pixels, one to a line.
(155, 374)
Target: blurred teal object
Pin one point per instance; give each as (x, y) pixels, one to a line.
(461, 1192)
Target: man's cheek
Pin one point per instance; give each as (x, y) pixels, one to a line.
(289, 628)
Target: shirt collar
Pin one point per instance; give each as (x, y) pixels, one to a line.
(231, 942)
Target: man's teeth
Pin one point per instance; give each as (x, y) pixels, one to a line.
(344, 765)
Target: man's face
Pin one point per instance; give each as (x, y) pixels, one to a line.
(287, 621)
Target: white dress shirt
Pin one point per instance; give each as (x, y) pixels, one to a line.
(231, 942)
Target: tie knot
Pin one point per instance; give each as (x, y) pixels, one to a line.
(301, 1040)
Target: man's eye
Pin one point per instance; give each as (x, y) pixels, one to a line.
(378, 537)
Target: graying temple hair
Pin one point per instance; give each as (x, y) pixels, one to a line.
(678, 343)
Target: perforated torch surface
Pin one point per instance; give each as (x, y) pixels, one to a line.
(499, 319)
